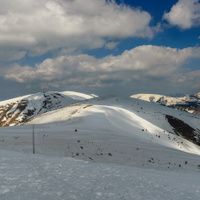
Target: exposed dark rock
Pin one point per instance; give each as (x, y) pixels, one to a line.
(194, 108)
(184, 130)
(21, 111)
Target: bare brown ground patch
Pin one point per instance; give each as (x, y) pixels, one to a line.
(11, 118)
(78, 104)
(87, 106)
(4, 110)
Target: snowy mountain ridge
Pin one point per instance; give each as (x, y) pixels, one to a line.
(189, 103)
(20, 109)
(53, 107)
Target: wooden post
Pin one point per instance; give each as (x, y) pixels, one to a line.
(33, 136)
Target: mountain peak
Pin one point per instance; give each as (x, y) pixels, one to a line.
(20, 109)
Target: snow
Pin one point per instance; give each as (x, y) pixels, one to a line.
(41, 177)
(166, 100)
(38, 96)
(121, 121)
(151, 112)
(101, 148)
(20, 109)
(197, 95)
(17, 99)
(78, 95)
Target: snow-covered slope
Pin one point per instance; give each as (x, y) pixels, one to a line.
(18, 110)
(121, 131)
(122, 114)
(102, 148)
(34, 177)
(131, 117)
(189, 103)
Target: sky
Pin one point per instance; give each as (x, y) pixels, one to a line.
(105, 47)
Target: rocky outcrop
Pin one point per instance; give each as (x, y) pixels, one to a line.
(184, 130)
(17, 111)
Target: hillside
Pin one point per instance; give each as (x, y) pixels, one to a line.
(120, 113)
(129, 116)
(101, 148)
(18, 110)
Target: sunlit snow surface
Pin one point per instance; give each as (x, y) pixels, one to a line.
(38, 96)
(100, 149)
(17, 110)
(48, 178)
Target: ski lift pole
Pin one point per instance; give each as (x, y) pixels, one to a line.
(33, 138)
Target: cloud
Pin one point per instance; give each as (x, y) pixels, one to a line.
(184, 14)
(41, 26)
(150, 65)
(8, 55)
(111, 45)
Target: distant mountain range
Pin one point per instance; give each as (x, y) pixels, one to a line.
(189, 103)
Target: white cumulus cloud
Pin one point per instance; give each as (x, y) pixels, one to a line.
(146, 64)
(184, 14)
(45, 25)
